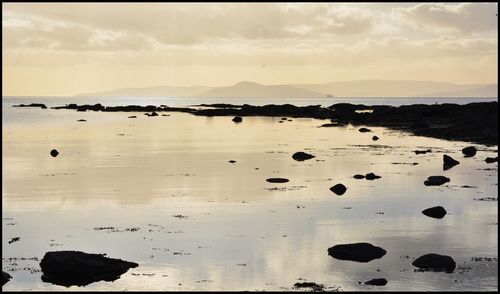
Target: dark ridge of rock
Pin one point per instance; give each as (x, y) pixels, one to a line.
(364, 130)
(43, 106)
(372, 176)
(132, 116)
(359, 177)
(68, 268)
(449, 162)
(436, 180)
(435, 212)
(237, 119)
(232, 161)
(165, 115)
(151, 114)
(277, 180)
(54, 153)
(220, 105)
(330, 125)
(376, 282)
(486, 199)
(469, 151)
(422, 151)
(435, 262)
(301, 156)
(338, 189)
(82, 119)
(375, 138)
(360, 252)
(315, 287)
(14, 239)
(491, 159)
(5, 278)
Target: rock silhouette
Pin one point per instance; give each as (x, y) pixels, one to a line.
(5, 278)
(277, 180)
(358, 177)
(364, 130)
(435, 212)
(67, 268)
(435, 262)
(54, 153)
(436, 180)
(301, 156)
(237, 119)
(491, 159)
(375, 138)
(372, 176)
(449, 162)
(338, 189)
(360, 252)
(469, 151)
(376, 282)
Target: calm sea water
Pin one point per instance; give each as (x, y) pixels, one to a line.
(236, 231)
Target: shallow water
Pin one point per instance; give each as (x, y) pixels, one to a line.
(237, 231)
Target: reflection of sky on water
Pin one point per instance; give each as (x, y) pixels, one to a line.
(241, 232)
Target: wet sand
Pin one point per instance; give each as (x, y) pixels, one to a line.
(161, 192)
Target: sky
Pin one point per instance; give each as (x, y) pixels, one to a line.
(52, 49)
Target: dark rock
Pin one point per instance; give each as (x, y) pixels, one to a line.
(82, 119)
(338, 189)
(67, 268)
(469, 151)
(436, 180)
(152, 114)
(232, 161)
(15, 239)
(376, 282)
(301, 156)
(422, 151)
(491, 159)
(449, 162)
(31, 105)
(277, 180)
(372, 176)
(359, 177)
(132, 116)
(237, 119)
(435, 212)
(375, 138)
(312, 285)
(5, 278)
(330, 125)
(54, 153)
(360, 252)
(435, 262)
(364, 130)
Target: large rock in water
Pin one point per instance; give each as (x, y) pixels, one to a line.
(301, 156)
(376, 282)
(5, 278)
(435, 212)
(435, 262)
(338, 189)
(67, 268)
(436, 180)
(449, 162)
(360, 252)
(469, 151)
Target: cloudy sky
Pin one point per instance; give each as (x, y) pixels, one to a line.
(66, 49)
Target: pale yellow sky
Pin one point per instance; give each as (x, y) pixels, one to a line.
(67, 49)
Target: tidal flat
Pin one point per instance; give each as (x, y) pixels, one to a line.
(161, 192)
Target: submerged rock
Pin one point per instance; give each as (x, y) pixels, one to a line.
(449, 162)
(491, 159)
(372, 176)
(54, 153)
(435, 262)
(360, 252)
(5, 278)
(364, 130)
(436, 180)
(237, 119)
(435, 212)
(358, 177)
(301, 156)
(338, 189)
(68, 268)
(376, 282)
(277, 180)
(469, 151)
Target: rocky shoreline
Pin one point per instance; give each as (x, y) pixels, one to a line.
(473, 122)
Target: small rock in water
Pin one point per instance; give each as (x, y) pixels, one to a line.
(364, 130)
(237, 119)
(132, 116)
(301, 156)
(376, 282)
(435, 262)
(315, 287)
(449, 162)
(54, 153)
(82, 119)
(469, 151)
(372, 176)
(232, 161)
(338, 189)
(359, 177)
(435, 212)
(360, 252)
(277, 180)
(422, 151)
(15, 239)
(5, 278)
(491, 159)
(436, 180)
(375, 138)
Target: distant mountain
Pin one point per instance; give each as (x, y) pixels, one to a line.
(388, 88)
(250, 89)
(362, 88)
(153, 91)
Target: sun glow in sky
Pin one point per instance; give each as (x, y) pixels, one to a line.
(66, 49)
